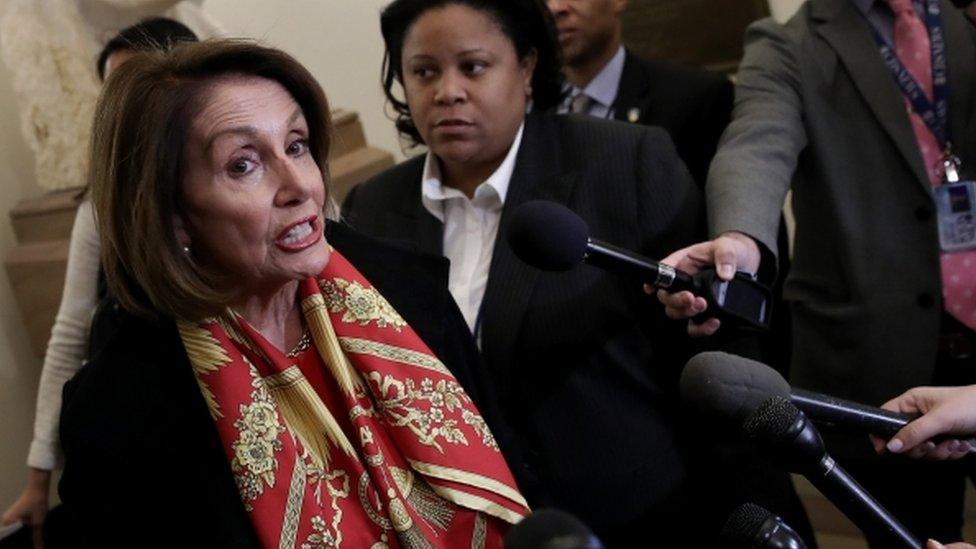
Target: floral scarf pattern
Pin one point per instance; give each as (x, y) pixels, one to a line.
(386, 450)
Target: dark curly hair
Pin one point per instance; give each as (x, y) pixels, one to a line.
(527, 23)
(155, 33)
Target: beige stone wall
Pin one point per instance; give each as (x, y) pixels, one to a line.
(19, 368)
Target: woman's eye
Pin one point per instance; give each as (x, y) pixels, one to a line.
(474, 67)
(423, 72)
(239, 167)
(298, 148)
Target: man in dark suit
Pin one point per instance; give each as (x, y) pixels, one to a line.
(580, 359)
(609, 81)
(819, 111)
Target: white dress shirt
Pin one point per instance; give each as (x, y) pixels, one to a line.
(602, 90)
(470, 227)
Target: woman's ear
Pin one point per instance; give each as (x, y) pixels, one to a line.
(182, 235)
(527, 67)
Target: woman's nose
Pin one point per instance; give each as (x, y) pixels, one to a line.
(295, 184)
(450, 89)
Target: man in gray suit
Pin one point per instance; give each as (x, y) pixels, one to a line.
(819, 111)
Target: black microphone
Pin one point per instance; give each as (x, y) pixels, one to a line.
(549, 236)
(753, 527)
(551, 529)
(734, 386)
(784, 429)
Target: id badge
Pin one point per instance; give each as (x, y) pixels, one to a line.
(956, 204)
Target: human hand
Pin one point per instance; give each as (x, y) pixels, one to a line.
(945, 411)
(932, 544)
(32, 505)
(730, 252)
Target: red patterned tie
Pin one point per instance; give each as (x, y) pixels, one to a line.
(914, 51)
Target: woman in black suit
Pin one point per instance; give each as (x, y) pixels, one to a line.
(583, 361)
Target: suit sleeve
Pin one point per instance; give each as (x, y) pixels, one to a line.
(757, 156)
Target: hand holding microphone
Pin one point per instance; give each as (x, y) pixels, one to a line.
(732, 386)
(551, 237)
(730, 252)
(945, 411)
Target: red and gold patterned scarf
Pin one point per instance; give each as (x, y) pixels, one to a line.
(411, 464)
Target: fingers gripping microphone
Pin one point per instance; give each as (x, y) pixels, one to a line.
(734, 386)
(752, 527)
(551, 529)
(785, 430)
(549, 236)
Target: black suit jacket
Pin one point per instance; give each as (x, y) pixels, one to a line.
(144, 465)
(579, 357)
(693, 105)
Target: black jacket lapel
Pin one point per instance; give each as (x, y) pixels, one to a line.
(538, 175)
(629, 105)
(420, 228)
(387, 268)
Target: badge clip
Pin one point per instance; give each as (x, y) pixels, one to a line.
(951, 164)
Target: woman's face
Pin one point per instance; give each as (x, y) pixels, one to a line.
(253, 195)
(464, 84)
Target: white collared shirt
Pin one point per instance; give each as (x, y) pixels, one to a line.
(602, 90)
(470, 227)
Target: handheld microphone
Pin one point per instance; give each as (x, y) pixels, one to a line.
(734, 386)
(551, 529)
(549, 236)
(753, 527)
(783, 428)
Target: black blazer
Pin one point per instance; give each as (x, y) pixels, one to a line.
(693, 105)
(579, 357)
(144, 465)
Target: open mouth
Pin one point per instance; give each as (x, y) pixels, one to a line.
(300, 235)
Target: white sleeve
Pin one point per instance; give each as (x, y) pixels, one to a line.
(68, 346)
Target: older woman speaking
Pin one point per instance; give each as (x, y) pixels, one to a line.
(282, 381)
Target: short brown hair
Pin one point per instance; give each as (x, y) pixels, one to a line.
(142, 124)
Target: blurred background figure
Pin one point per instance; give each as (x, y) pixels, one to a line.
(606, 80)
(84, 287)
(48, 46)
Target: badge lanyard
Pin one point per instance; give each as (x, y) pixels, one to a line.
(934, 112)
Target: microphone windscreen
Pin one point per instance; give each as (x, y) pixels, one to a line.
(547, 235)
(773, 420)
(550, 529)
(728, 385)
(743, 526)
